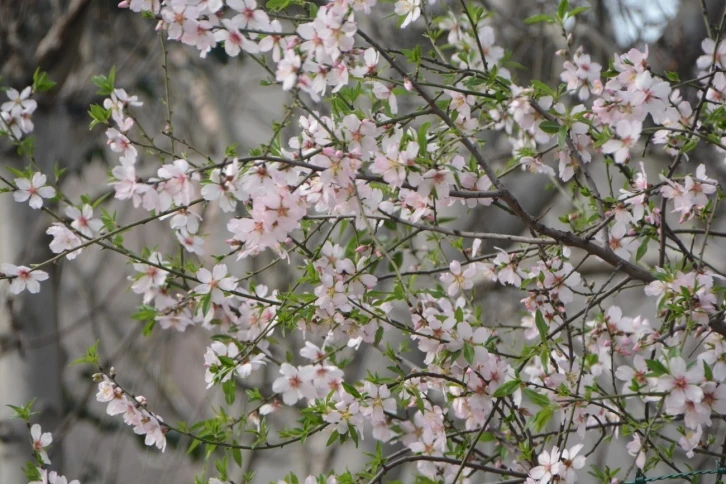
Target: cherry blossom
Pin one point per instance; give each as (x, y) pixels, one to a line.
(351, 204)
(40, 442)
(295, 383)
(548, 468)
(571, 462)
(83, 220)
(151, 277)
(215, 283)
(19, 101)
(681, 385)
(410, 8)
(628, 133)
(635, 449)
(23, 278)
(64, 240)
(33, 189)
(713, 54)
(458, 280)
(582, 74)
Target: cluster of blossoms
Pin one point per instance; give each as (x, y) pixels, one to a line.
(133, 410)
(41, 441)
(16, 113)
(372, 170)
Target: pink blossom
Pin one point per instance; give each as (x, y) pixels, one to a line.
(34, 190)
(22, 278)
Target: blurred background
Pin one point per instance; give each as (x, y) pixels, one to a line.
(218, 102)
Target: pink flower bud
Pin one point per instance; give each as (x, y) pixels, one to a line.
(407, 84)
(361, 249)
(123, 4)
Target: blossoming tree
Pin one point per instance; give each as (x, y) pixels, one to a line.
(361, 203)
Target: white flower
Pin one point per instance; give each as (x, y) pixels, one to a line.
(549, 466)
(64, 240)
(691, 441)
(55, 478)
(40, 442)
(19, 101)
(33, 189)
(83, 220)
(629, 133)
(23, 279)
(215, 282)
(571, 462)
(682, 385)
(635, 448)
(295, 383)
(457, 279)
(410, 8)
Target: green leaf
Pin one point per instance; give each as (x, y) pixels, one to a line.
(353, 434)
(230, 390)
(334, 435)
(99, 115)
(642, 249)
(277, 5)
(656, 367)
(469, 353)
(422, 138)
(206, 303)
(105, 84)
(26, 146)
(542, 418)
(707, 371)
(237, 457)
(690, 145)
(31, 471)
(351, 390)
(562, 138)
(550, 127)
(23, 412)
(672, 76)
(144, 313)
(41, 81)
(534, 19)
(487, 437)
(562, 8)
(507, 388)
(576, 11)
(90, 357)
(542, 325)
(537, 398)
(379, 336)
